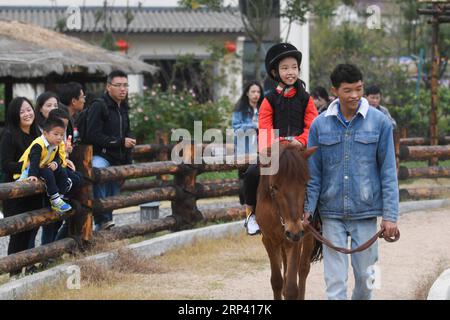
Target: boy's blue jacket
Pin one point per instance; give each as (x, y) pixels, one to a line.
(353, 172)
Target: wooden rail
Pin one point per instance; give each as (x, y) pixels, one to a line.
(418, 141)
(423, 152)
(183, 191)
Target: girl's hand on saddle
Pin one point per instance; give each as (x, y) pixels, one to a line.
(390, 228)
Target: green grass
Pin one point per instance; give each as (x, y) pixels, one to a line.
(422, 164)
(218, 175)
(203, 176)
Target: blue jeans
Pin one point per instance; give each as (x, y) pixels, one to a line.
(49, 232)
(336, 263)
(104, 190)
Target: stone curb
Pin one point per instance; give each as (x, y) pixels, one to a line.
(440, 290)
(153, 247)
(157, 246)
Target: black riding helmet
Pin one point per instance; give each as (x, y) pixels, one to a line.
(277, 53)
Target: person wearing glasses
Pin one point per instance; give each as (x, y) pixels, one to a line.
(108, 130)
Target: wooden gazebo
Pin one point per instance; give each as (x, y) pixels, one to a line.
(31, 54)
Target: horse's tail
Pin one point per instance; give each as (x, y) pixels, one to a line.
(317, 224)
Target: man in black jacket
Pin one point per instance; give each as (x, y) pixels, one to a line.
(108, 130)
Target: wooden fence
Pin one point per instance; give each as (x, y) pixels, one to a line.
(183, 192)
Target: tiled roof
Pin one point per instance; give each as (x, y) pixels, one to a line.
(146, 19)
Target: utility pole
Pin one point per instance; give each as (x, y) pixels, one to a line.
(440, 13)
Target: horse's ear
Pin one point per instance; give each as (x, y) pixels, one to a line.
(308, 152)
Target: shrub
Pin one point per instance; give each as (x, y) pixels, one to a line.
(168, 110)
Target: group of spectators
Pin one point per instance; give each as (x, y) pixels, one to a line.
(38, 141)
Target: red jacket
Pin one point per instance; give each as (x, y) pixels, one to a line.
(265, 121)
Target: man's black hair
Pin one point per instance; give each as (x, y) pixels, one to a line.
(348, 73)
(373, 90)
(60, 113)
(320, 92)
(116, 73)
(69, 91)
(51, 123)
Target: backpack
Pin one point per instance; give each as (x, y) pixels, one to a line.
(81, 121)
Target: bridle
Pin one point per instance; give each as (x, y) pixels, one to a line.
(272, 194)
(318, 236)
(380, 234)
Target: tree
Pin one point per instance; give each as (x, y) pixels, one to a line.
(256, 17)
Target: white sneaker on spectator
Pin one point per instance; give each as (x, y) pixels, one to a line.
(104, 226)
(252, 225)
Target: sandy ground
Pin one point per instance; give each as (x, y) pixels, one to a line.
(424, 243)
(237, 268)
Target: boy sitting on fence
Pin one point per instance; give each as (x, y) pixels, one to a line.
(45, 158)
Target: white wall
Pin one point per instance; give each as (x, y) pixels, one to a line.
(299, 37)
(161, 46)
(117, 3)
(30, 91)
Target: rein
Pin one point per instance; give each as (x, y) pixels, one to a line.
(380, 234)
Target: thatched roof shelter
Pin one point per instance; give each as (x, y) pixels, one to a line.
(29, 51)
(32, 54)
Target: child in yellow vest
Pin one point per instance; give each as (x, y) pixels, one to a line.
(45, 158)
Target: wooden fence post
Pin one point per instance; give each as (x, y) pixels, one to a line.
(80, 225)
(184, 208)
(162, 138)
(404, 133)
(397, 149)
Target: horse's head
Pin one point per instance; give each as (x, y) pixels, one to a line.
(287, 188)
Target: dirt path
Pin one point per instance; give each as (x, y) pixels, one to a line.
(238, 268)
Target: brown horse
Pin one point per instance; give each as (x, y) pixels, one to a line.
(279, 213)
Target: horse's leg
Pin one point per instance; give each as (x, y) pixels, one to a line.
(307, 248)
(283, 255)
(276, 279)
(292, 252)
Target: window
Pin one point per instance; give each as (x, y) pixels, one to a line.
(184, 73)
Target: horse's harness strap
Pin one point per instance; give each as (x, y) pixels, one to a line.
(364, 246)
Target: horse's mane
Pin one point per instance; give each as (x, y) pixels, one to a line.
(292, 168)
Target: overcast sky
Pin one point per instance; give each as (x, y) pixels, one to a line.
(155, 3)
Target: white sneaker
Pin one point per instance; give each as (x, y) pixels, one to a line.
(252, 225)
(107, 225)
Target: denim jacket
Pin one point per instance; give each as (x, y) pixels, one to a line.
(353, 171)
(244, 120)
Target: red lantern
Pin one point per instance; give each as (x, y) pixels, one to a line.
(230, 46)
(122, 45)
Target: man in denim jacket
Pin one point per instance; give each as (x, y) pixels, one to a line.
(353, 181)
